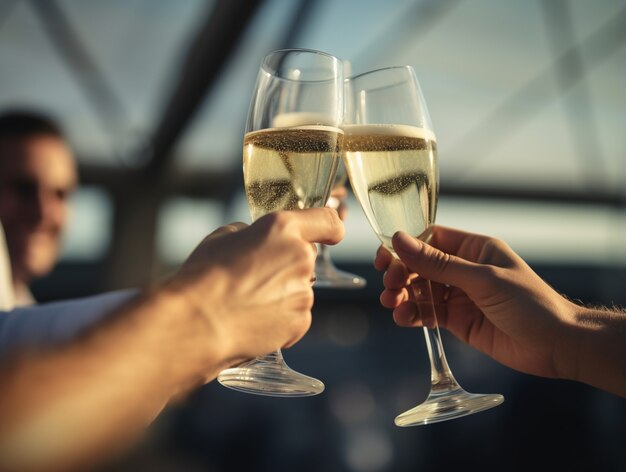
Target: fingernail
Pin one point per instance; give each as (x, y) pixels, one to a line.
(403, 236)
(406, 241)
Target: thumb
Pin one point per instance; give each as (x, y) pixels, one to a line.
(433, 264)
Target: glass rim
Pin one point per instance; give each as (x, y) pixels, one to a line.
(407, 67)
(272, 72)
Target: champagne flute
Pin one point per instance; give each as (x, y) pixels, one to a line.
(390, 151)
(326, 274)
(291, 150)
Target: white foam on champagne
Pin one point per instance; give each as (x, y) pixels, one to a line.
(390, 130)
(306, 120)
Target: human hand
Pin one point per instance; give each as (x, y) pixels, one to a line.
(253, 283)
(485, 294)
(337, 201)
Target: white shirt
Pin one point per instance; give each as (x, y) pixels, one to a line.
(7, 297)
(23, 296)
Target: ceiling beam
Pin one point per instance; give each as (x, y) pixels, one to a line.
(215, 41)
(220, 184)
(100, 94)
(546, 194)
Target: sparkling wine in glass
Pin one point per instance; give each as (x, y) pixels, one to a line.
(291, 150)
(390, 151)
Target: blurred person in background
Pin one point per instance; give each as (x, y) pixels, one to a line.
(488, 297)
(37, 175)
(82, 378)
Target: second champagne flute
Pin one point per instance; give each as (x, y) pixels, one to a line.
(291, 150)
(327, 275)
(390, 152)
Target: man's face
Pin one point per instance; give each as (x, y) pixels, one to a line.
(37, 175)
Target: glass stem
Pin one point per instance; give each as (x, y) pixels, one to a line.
(324, 253)
(441, 377)
(275, 357)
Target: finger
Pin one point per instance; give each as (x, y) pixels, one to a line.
(333, 203)
(339, 192)
(407, 315)
(436, 265)
(397, 276)
(451, 240)
(227, 229)
(342, 211)
(383, 258)
(393, 298)
(411, 314)
(319, 225)
(218, 233)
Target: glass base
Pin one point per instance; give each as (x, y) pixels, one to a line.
(271, 379)
(448, 405)
(328, 276)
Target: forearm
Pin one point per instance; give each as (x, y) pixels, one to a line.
(66, 407)
(599, 348)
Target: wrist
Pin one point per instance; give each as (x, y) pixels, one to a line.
(175, 342)
(597, 348)
(567, 347)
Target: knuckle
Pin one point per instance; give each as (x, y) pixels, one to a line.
(494, 248)
(234, 227)
(498, 253)
(274, 226)
(492, 274)
(275, 222)
(264, 224)
(270, 219)
(498, 245)
(440, 261)
(282, 221)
